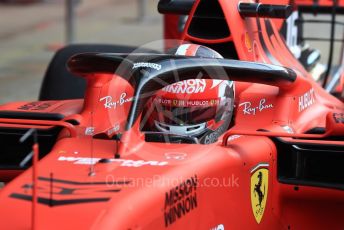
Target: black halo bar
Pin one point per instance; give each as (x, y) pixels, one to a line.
(148, 73)
(181, 7)
(264, 10)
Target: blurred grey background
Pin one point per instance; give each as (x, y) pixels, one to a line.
(32, 30)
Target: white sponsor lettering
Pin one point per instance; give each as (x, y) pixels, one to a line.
(197, 103)
(219, 227)
(292, 34)
(188, 103)
(113, 130)
(212, 137)
(147, 64)
(249, 110)
(288, 129)
(187, 86)
(121, 162)
(89, 131)
(109, 104)
(306, 100)
(175, 156)
(233, 137)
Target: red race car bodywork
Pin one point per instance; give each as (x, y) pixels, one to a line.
(173, 29)
(292, 31)
(279, 166)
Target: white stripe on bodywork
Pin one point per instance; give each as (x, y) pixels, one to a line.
(261, 165)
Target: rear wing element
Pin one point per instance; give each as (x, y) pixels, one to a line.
(183, 7)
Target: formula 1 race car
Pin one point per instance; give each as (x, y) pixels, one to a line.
(192, 139)
(329, 73)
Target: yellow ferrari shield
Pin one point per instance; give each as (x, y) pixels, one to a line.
(259, 192)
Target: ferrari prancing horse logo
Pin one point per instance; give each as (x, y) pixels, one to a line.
(259, 192)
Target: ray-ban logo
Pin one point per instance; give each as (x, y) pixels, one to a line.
(110, 104)
(248, 109)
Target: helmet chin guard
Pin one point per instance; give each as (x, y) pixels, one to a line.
(185, 130)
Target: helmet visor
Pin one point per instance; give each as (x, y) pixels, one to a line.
(185, 115)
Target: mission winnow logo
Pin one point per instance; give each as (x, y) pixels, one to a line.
(180, 200)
